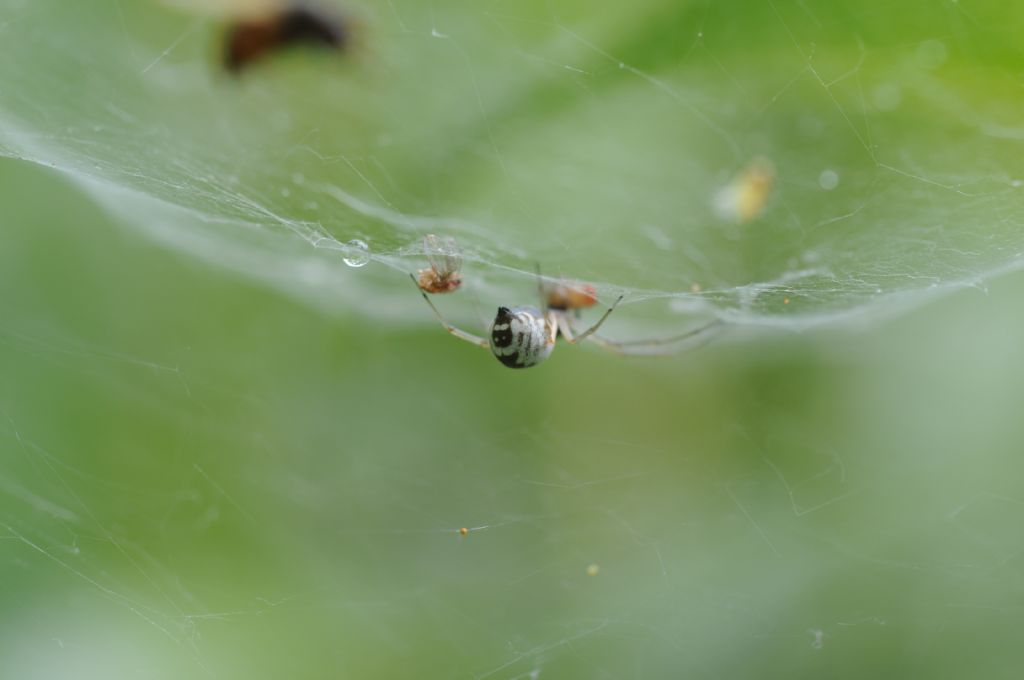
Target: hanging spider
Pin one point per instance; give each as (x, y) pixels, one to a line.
(444, 274)
(521, 337)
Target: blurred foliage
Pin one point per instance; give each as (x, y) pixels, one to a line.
(221, 450)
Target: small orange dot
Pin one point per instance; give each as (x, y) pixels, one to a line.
(785, 301)
(463, 531)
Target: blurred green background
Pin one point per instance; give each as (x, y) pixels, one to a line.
(223, 453)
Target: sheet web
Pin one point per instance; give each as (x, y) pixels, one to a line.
(590, 143)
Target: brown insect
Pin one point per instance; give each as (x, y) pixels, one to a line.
(444, 274)
(568, 296)
(293, 25)
(260, 28)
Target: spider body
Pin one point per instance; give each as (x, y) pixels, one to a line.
(522, 337)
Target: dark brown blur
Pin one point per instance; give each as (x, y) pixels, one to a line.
(250, 40)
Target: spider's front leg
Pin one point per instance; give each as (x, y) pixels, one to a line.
(457, 332)
(564, 325)
(656, 346)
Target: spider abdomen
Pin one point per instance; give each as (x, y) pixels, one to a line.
(521, 337)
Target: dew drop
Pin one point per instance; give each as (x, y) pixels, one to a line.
(357, 253)
(828, 180)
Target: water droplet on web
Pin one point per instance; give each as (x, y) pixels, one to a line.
(357, 253)
(828, 180)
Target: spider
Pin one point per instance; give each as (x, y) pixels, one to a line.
(443, 275)
(521, 337)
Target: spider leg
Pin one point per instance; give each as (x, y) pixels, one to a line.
(655, 346)
(590, 331)
(564, 327)
(460, 334)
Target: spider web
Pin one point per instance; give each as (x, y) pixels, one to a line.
(592, 143)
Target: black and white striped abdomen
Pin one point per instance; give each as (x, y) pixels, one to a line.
(520, 337)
